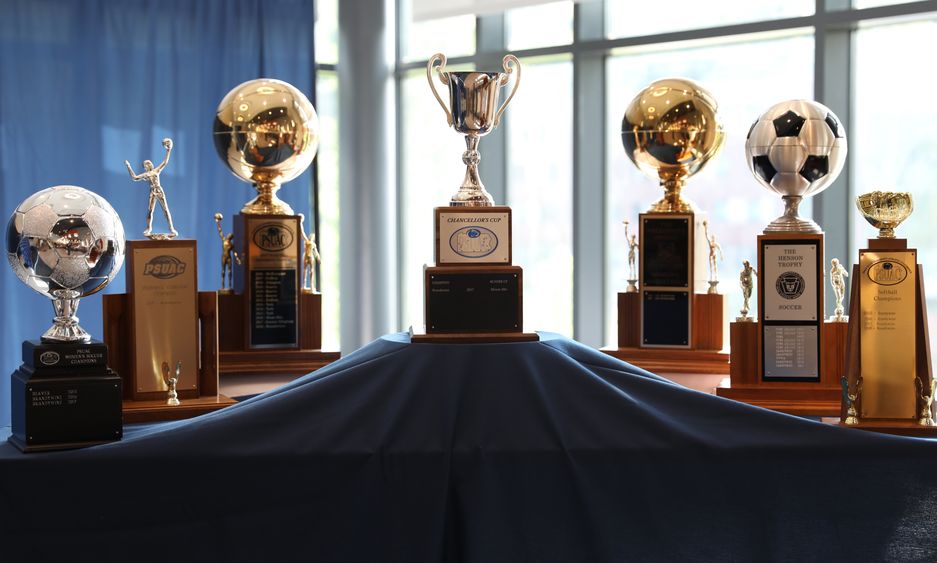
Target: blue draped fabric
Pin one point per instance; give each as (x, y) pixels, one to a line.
(537, 451)
(87, 84)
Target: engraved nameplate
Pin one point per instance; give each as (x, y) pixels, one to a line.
(473, 235)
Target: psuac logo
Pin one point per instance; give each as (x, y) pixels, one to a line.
(273, 237)
(790, 285)
(164, 267)
(887, 272)
(49, 358)
(473, 242)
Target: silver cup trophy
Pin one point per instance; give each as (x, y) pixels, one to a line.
(65, 243)
(797, 149)
(473, 99)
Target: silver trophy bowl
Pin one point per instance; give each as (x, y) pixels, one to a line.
(473, 111)
(796, 149)
(65, 242)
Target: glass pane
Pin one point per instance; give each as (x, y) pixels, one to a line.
(624, 19)
(327, 162)
(890, 145)
(540, 191)
(540, 26)
(432, 171)
(453, 37)
(326, 31)
(738, 207)
(875, 3)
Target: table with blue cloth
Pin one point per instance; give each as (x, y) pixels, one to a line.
(532, 451)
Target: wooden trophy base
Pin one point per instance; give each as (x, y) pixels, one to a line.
(894, 427)
(237, 358)
(472, 338)
(821, 398)
(117, 337)
(703, 357)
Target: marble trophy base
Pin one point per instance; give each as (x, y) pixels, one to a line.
(704, 356)
(64, 396)
(809, 398)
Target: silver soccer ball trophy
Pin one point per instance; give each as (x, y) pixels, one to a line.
(797, 148)
(65, 242)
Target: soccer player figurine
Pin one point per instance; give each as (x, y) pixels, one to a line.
(632, 241)
(151, 175)
(227, 252)
(714, 248)
(838, 276)
(747, 283)
(310, 253)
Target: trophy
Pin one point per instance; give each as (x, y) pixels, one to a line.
(65, 243)
(171, 379)
(228, 256)
(473, 97)
(747, 284)
(267, 132)
(796, 149)
(632, 241)
(163, 317)
(473, 289)
(670, 131)
(888, 348)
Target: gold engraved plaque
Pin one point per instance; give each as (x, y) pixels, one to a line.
(163, 291)
(887, 333)
(473, 235)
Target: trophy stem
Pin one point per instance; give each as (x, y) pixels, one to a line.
(65, 326)
(886, 232)
(673, 201)
(472, 192)
(267, 202)
(790, 221)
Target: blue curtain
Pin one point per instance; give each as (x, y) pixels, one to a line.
(86, 84)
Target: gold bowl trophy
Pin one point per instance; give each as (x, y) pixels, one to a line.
(670, 131)
(163, 318)
(65, 243)
(888, 382)
(473, 292)
(267, 132)
(791, 358)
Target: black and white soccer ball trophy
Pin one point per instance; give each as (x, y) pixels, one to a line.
(797, 148)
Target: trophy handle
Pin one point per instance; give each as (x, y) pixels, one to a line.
(442, 78)
(504, 80)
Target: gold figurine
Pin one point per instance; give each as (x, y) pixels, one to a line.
(714, 249)
(310, 254)
(151, 175)
(838, 275)
(227, 252)
(172, 398)
(747, 283)
(926, 401)
(852, 415)
(632, 241)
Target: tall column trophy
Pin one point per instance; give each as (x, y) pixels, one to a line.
(65, 243)
(673, 323)
(473, 293)
(267, 133)
(163, 319)
(789, 358)
(888, 384)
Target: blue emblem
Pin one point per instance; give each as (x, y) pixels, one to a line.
(473, 242)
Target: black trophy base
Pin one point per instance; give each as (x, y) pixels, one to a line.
(473, 299)
(58, 406)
